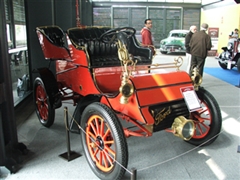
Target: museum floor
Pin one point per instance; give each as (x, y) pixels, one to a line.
(162, 156)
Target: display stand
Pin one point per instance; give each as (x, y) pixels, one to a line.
(134, 174)
(69, 155)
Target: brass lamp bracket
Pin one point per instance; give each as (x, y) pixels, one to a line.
(126, 88)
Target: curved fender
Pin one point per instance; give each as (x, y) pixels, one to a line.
(51, 86)
(81, 105)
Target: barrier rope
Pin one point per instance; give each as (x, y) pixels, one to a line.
(154, 165)
(180, 155)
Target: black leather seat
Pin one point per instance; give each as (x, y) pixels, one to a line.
(54, 34)
(106, 54)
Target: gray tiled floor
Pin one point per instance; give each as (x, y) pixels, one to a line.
(162, 156)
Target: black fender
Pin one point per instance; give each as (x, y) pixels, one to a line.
(81, 105)
(51, 86)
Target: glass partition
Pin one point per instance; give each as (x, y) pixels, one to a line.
(17, 49)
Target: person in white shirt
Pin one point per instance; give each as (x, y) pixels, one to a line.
(233, 36)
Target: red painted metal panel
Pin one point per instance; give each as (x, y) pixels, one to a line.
(163, 79)
(50, 50)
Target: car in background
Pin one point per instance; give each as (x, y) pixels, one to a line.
(175, 42)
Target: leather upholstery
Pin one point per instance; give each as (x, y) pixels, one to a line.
(100, 54)
(104, 54)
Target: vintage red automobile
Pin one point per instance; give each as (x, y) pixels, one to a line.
(118, 92)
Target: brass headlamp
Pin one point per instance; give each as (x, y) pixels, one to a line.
(126, 90)
(183, 128)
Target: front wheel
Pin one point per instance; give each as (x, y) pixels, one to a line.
(44, 109)
(208, 121)
(103, 142)
(222, 65)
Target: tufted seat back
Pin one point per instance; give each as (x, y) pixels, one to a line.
(100, 53)
(105, 54)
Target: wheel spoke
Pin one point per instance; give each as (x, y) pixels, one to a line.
(109, 150)
(203, 121)
(97, 125)
(102, 130)
(203, 111)
(104, 160)
(93, 127)
(91, 135)
(198, 129)
(107, 133)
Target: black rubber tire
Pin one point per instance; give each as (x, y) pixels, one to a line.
(96, 141)
(222, 65)
(211, 115)
(163, 52)
(238, 64)
(44, 109)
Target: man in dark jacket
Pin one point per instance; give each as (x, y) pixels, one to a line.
(188, 37)
(200, 44)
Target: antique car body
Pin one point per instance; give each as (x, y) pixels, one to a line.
(111, 79)
(174, 43)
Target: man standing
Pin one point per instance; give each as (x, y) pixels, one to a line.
(200, 44)
(147, 35)
(188, 37)
(233, 36)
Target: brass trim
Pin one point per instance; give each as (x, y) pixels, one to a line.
(178, 128)
(149, 128)
(196, 78)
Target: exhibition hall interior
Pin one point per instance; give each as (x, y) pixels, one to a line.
(84, 96)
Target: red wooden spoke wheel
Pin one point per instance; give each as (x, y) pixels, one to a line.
(44, 109)
(204, 120)
(104, 142)
(208, 121)
(100, 143)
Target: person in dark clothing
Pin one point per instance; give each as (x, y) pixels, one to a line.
(200, 44)
(188, 37)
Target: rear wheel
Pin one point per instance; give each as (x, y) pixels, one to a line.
(103, 142)
(208, 121)
(44, 109)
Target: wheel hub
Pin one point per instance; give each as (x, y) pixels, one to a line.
(100, 143)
